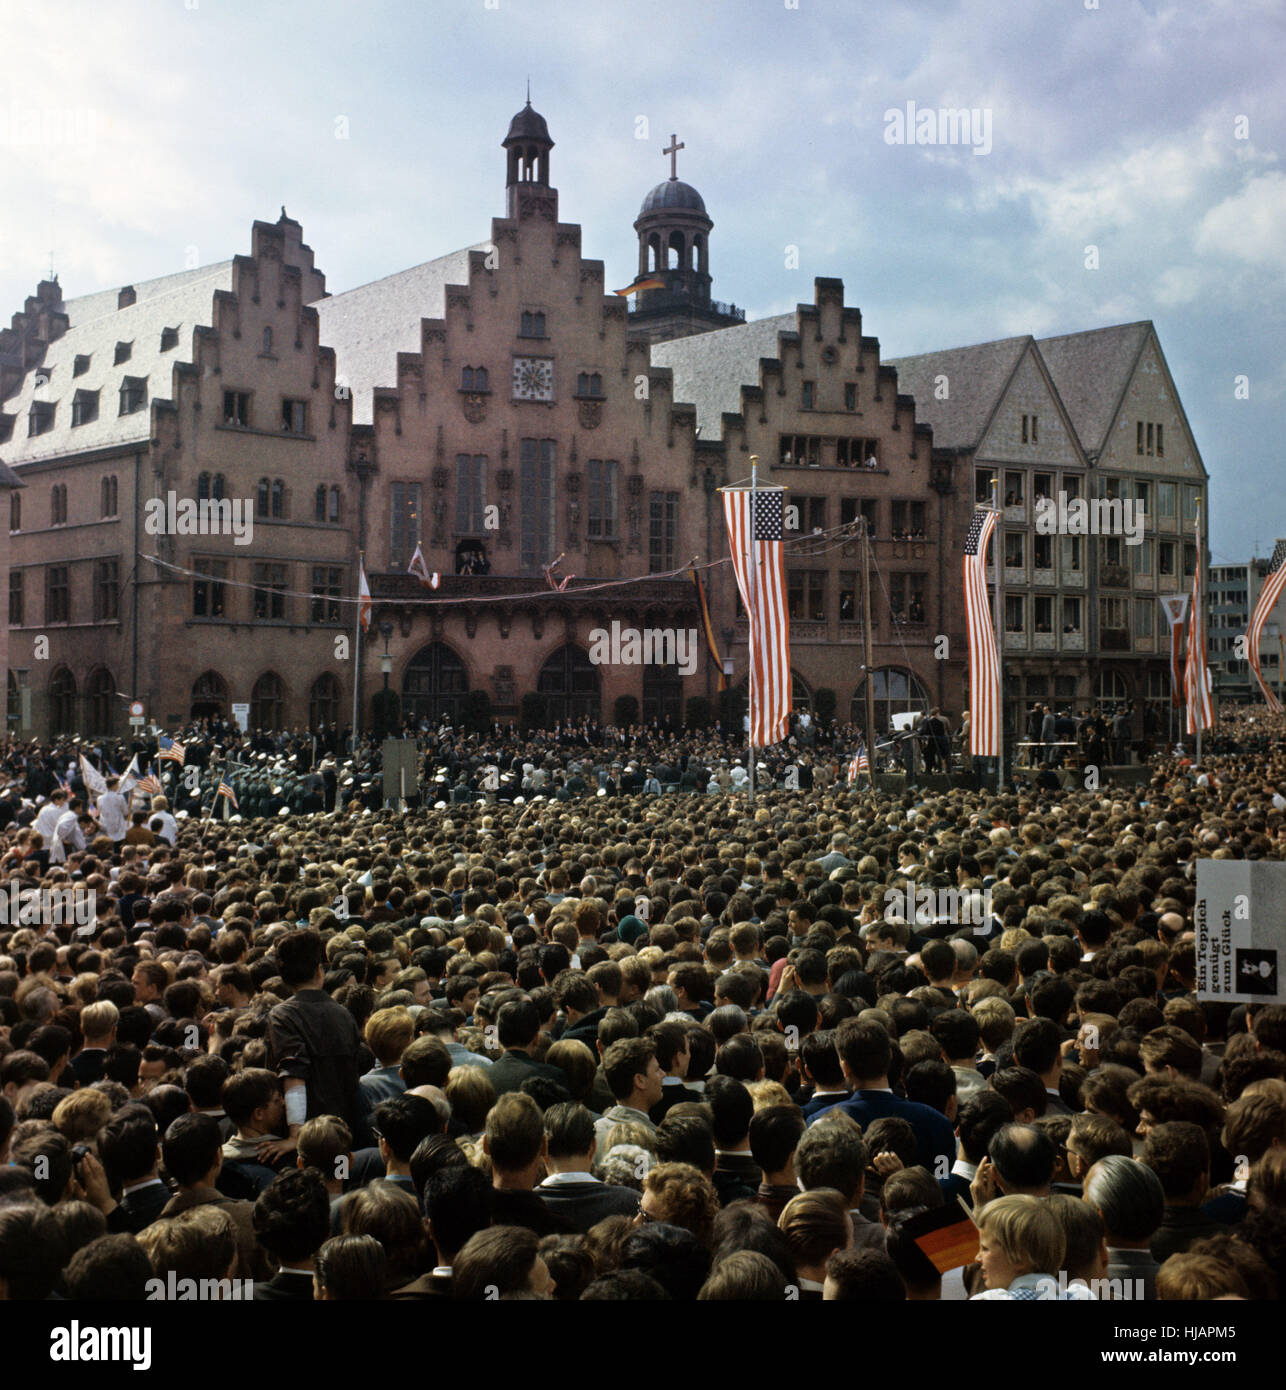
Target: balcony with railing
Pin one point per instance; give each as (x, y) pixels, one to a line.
(671, 299)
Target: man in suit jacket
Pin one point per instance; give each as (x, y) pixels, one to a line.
(977, 1122)
(865, 1052)
(127, 1146)
(291, 1220)
(1179, 1154)
(571, 1191)
(517, 1027)
(457, 1203)
(674, 1054)
(1129, 1197)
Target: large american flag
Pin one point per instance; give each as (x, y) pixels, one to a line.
(1198, 709)
(172, 751)
(225, 789)
(858, 764)
(766, 606)
(1273, 584)
(984, 665)
(149, 785)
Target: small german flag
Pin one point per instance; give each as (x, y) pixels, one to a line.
(644, 282)
(947, 1237)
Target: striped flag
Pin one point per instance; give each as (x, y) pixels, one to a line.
(225, 789)
(770, 693)
(1273, 584)
(1199, 711)
(984, 664)
(858, 764)
(363, 597)
(644, 282)
(172, 751)
(1175, 607)
(149, 785)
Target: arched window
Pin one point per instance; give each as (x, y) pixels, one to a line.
(267, 340)
(319, 502)
(267, 702)
(278, 498)
(107, 496)
(434, 684)
(654, 253)
(209, 696)
(261, 498)
(334, 504)
(895, 692)
(58, 504)
(62, 702)
(100, 702)
(323, 702)
(569, 685)
(801, 696)
(475, 378)
(677, 250)
(15, 511)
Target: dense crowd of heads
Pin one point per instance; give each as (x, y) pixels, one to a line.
(627, 1046)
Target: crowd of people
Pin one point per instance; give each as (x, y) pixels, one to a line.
(622, 1041)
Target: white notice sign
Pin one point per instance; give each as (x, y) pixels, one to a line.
(1241, 930)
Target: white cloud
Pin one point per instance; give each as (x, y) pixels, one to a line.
(1249, 224)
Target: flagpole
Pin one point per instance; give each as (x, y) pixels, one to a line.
(357, 651)
(1198, 625)
(998, 542)
(750, 680)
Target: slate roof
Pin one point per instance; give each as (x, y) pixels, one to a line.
(1091, 370)
(711, 368)
(368, 326)
(976, 377)
(182, 301)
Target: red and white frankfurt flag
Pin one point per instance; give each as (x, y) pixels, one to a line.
(1200, 712)
(419, 568)
(363, 597)
(1175, 608)
(984, 665)
(763, 593)
(1273, 585)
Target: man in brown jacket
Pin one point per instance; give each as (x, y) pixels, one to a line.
(193, 1153)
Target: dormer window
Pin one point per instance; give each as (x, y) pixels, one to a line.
(133, 394)
(41, 419)
(533, 326)
(81, 365)
(123, 351)
(84, 408)
(169, 339)
(473, 379)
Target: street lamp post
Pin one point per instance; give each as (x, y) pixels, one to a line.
(386, 666)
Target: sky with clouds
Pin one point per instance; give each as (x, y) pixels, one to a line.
(136, 134)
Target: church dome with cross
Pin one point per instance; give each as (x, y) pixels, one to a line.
(673, 193)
